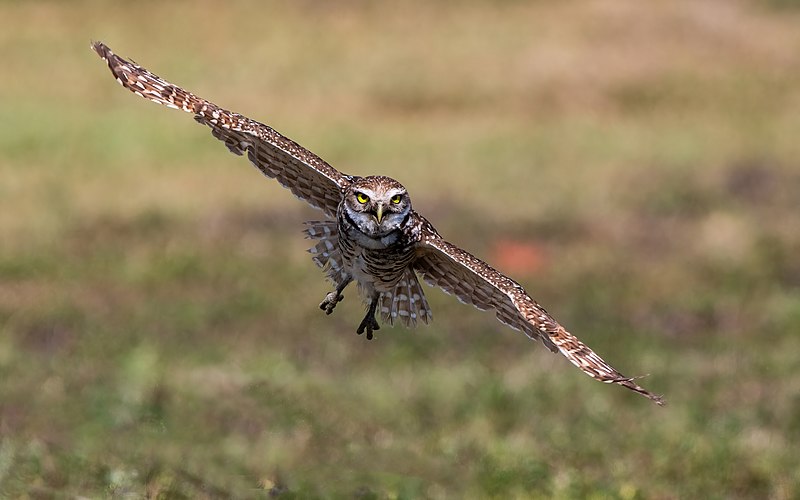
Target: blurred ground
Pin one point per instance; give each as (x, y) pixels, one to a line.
(636, 165)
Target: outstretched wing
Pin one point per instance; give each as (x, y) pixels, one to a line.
(475, 282)
(305, 174)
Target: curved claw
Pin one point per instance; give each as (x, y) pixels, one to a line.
(330, 301)
(370, 324)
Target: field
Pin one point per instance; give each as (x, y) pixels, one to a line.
(635, 165)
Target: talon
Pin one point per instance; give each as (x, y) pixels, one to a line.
(330, 302)
(369, 324)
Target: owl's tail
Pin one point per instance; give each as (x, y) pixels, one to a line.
(407, 302)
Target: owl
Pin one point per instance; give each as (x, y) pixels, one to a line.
(371, 235)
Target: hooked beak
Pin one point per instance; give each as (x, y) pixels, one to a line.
(379, 213)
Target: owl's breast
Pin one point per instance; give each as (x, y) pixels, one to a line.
(377, 270)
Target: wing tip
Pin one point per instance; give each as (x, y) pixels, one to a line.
(101, 49)
(628, 382)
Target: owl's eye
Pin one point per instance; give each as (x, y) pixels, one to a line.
(396, 199)
(362, 198)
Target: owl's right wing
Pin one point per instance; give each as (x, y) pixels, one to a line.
(305, 174)
(475, 282)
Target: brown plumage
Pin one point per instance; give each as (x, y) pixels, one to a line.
(372, 236)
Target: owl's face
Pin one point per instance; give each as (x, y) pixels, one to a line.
(377, 205)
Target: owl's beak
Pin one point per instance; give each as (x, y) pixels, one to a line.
(379, 212)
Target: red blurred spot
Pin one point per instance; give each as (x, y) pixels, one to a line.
(518, 257)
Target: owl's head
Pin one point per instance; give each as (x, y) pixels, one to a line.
(377, 205)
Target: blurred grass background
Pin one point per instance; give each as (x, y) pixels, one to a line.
(636, 165)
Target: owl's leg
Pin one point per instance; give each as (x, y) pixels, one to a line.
(334, 297)
(369, 323)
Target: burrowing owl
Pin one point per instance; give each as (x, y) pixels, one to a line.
(372, 235)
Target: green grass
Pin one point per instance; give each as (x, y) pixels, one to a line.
(159, 334)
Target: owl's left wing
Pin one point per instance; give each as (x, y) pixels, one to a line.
(475, 282)
(305, 174)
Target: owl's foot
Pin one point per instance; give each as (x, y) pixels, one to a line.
(369, 323)
(334, 297)
(330, 301)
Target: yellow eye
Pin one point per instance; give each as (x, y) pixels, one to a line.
(362, 198)
(396, 199)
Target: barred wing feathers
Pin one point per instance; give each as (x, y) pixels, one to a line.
(305, 174)
(473, 281)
